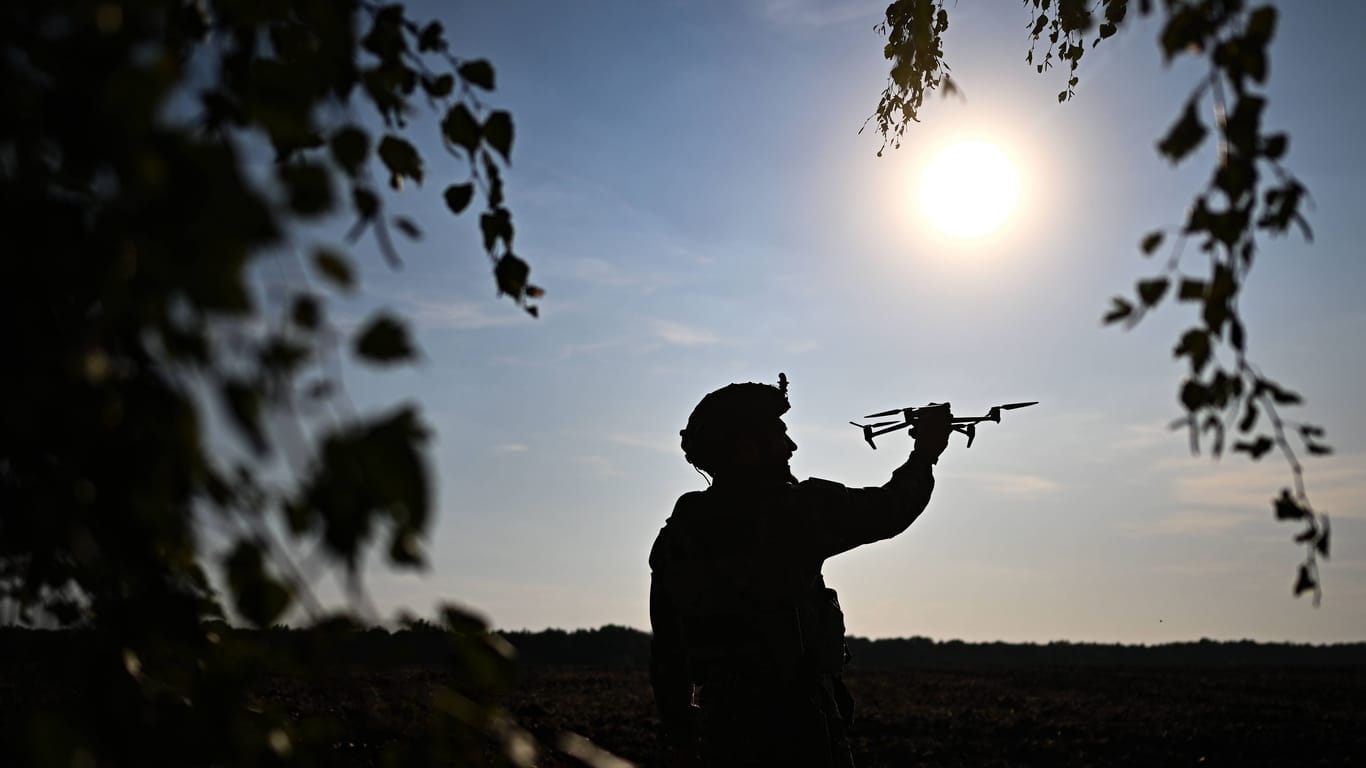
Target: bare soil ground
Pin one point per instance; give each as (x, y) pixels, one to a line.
(991, 716)
(1039, 716)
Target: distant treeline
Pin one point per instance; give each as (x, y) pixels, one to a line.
(613, 645)
(924, 652)
(626, 647)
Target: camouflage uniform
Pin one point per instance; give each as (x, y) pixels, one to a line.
(748, 642)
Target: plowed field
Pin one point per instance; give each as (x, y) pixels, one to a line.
(1041, 716)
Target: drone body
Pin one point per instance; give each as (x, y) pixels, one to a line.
(967, 425)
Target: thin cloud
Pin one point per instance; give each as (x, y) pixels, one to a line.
(1021, 485)
(461, 315)
(1199, 522)
(1336, 484)
(616, 348)
(1210, 568)
(1189, 522)
(1121, 438)
(622, 226)
(574, 350)
(507, 448)
(597, 271)
(684, 335)
(600, 465)
(1141, 436)
(633, 441)
(600, 272)
(820, 13)
(652, 336)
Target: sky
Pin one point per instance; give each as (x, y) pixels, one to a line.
(690, 186)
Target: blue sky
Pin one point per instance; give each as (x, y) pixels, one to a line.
(689, 185)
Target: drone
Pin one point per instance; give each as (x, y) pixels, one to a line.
(966, 425)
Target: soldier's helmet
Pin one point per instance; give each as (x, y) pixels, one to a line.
(723, 415)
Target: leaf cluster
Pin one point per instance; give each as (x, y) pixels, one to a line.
(1065, 26)
(171, 423)
(915, 46)
(1249, 193)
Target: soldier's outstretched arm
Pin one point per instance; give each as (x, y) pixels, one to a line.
(842, 518)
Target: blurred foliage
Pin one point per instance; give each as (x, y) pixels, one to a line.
(1250, 196)
(138, 216)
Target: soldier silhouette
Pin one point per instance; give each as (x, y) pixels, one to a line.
(748, 646)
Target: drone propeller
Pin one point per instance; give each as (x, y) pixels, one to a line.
(905, 413)
(877, 425)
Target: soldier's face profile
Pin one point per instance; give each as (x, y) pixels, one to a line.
(766, 448)
(787, 445)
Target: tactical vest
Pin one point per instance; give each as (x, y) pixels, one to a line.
(747, 608)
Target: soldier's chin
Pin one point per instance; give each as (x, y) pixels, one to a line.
(778, 472)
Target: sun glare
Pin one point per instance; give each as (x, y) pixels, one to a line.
(969, 189)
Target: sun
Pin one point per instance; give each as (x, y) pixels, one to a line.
(969, 189)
